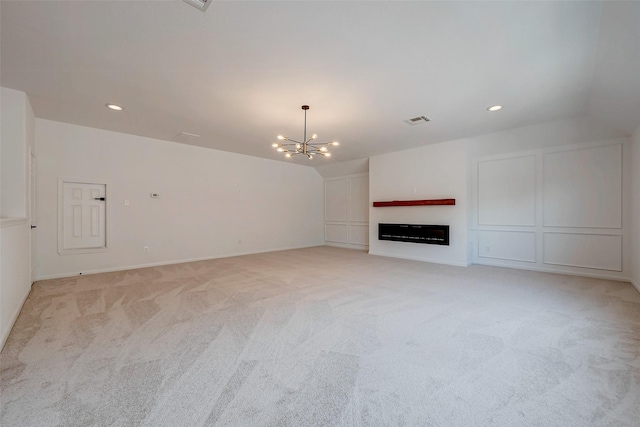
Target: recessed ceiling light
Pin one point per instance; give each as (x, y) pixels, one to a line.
(495, 108)
(114, 107)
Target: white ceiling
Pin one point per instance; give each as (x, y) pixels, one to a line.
(238, 74)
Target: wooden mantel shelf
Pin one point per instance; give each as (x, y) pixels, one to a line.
(430, 202)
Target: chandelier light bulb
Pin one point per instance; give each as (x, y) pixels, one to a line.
(297, 146)
(334, 143)
(323, 149)
(280, 137)
(280, 149)
(314, 136)
(327, 154)
(275, 144)
(288, 155)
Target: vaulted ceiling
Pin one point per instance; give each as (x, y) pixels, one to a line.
(238, 73)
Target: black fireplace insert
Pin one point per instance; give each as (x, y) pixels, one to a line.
(415, 233)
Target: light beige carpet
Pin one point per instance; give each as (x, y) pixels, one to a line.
(324, 337)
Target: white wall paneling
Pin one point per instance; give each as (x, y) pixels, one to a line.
(359, 199)
(583, 187)
(359, 234)
(347, 211)
(507, 245)
(337, 233)
(507, 191)
(336, 200)
(594, 251)
(554, 209)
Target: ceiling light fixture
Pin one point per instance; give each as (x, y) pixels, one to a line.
(495, 108)
(114, 107)
(305, 146)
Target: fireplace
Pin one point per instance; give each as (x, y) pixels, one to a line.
(415, 233)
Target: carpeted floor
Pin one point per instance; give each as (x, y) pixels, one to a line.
(324, 337)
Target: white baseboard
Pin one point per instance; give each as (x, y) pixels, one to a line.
(534, 267)
(168, 262)
(433, 261)
(16, 313)
(636, 285)
(347, 246)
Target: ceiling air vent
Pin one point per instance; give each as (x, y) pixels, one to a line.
(417, 120)
(200, 4)
(185, 137)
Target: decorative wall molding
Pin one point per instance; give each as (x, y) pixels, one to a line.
(507, 245)
(593, 251)
(575, 196)
(507, 191)
(347, 211)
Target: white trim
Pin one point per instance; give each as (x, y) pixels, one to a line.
(16, 313)
(635, 285)
(544, 236)
(347, 222)
(11, 222)
(535, 191)
(431, 260)
(107, 219)
(544, 156)
(160, 263)
(555, 271)
(355, 246)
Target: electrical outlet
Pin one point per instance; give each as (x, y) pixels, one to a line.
(146, 249)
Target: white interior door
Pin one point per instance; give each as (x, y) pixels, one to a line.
(84, 216)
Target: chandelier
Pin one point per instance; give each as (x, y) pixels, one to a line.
(306, 146)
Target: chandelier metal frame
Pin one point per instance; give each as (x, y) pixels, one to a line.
(306, 146)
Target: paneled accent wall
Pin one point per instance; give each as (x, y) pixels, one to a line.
(346, 214)
(553, 209)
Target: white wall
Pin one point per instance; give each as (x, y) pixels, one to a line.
(211, 204)
(635, 197)
(579, 130)
(341, 169)
(16, 139)
(15, 281)
(14, 109)
(553, 197)
(437, 171)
